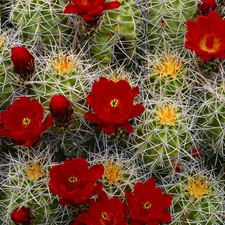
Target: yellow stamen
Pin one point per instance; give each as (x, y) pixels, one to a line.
(104, 216)
(64, 64)
(147, 205)
(167, 115)
(209, 43)
(114, 103)
(2, 40)
(112, 172)
(169, 66)
(34, 171)
(198, 187)
(26, 121)
(72, 180)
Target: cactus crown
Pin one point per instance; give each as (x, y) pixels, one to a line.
(34, 171)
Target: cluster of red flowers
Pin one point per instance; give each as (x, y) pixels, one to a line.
(75, 183)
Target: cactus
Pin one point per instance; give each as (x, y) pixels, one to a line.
(26, 184)
(167, 21)
(197, 197)
(117, 34)
(211, 119)
(163, 134)
(41, 22)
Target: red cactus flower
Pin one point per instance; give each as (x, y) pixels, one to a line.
(148, 205)
(74, 182)
(61, 108)
(206, 6)
(113, 105)
(89, 9)
(206, 36)
(22, 60)
(22, 121)
(22, 216)
(105, 211)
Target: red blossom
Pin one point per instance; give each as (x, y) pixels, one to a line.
(22, 216)
(22, 121)
(22, 60)
(148, 205)
(113, 105)
(61, 108)
(206, 36)
(74, 182)
(105, 211)
(206, 6)
(89, 9)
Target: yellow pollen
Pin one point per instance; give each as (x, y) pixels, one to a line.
(72, 179)
(198, 188)
(167, 115)
(114, 103)
(212, 47)
(104, 216)
(169, 66)
(112, 172)
(147, 205)
(34, 171)
(26, 121)
(2, 40)
(64, 64)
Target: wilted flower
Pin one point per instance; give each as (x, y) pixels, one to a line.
(22, 60)
(206, 6)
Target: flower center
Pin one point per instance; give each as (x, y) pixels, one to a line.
(198, 187)
(26, 121)
(169, 66)
(34, 171)
(114, 103)
(167, 115)
(108, 219)
(112, 172)
(210, 43)
(64, 64)
(147, 205)
(84, 2)
(72, 180)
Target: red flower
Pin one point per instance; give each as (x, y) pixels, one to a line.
(61, 108)
(22, 60)
(206, 36)
(113, 105)
(147, 204)
(89, 9)
(74, 182)
(22, 216)
(206, 6)
(22, 121)
(105, 211)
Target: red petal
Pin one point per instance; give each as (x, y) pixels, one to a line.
(206, 57)
(92, 117)
(97, 170)
(135, 91)
(97, 188)
(102, 196)
(153, 222)
(111, 5)
(65, 202)
(166, 217)
(136, 222)
(127, 127)
(71, 8)
(47, 123)
(128, 197)
(87, 17)
(109, 128)
(137, 110)
(4, 132)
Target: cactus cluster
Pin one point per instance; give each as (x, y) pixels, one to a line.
(112, 112)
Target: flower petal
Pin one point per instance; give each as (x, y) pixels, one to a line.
(111, 5)
(71, 9)
(127, 127)
(137, 110)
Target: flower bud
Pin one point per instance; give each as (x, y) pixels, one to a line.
(61, 108)
(22, 60)
(206, 6)
(22, 216)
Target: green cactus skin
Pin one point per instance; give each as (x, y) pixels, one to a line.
(161, 144)
(26, 184)
(167, 21)
(211, 118)
(41, 21)
(118, 30)
(187, 209)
